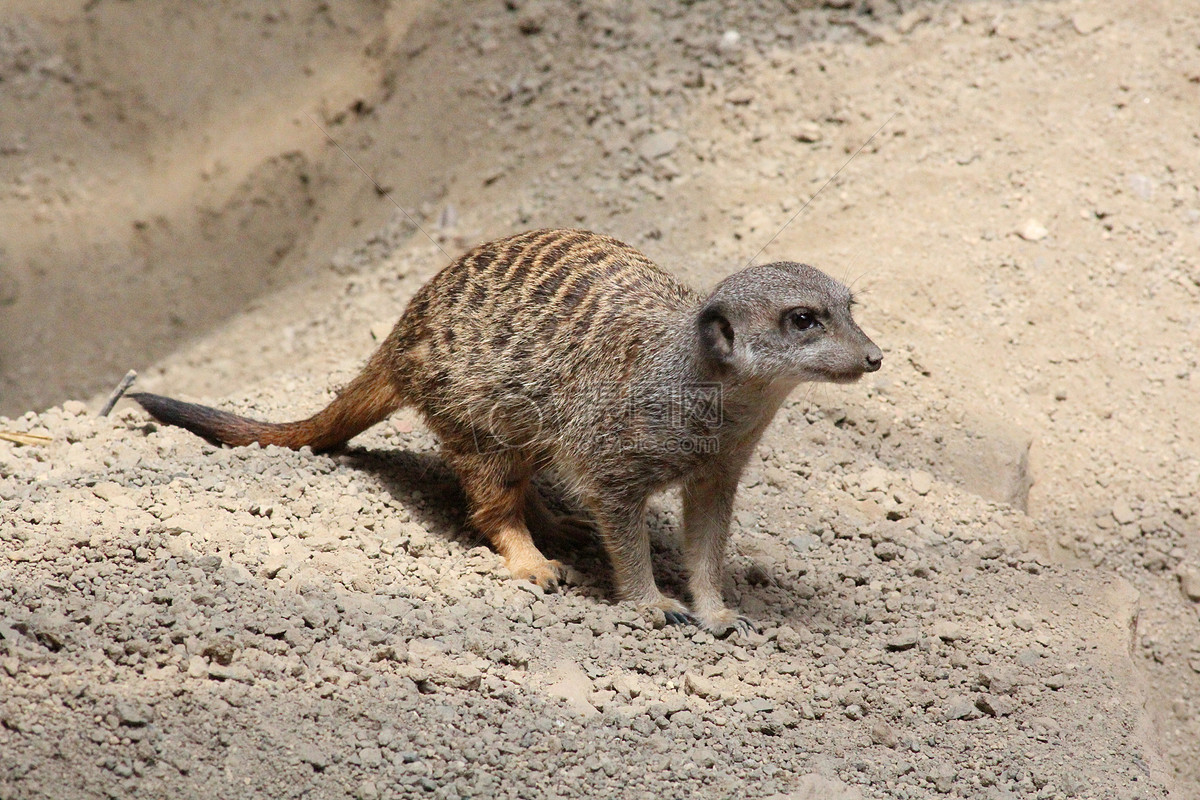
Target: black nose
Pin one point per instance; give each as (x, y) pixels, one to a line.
(873, 360)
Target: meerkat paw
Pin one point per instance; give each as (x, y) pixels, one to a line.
(673, 611)
(547, 573)
(725, 622)
(680, 618)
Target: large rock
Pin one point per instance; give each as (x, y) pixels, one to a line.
(990, 457)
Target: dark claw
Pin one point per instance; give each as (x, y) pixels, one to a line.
(679, 618)
(742, 626)
(551, 585)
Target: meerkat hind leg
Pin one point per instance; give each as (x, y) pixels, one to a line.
(497, 489)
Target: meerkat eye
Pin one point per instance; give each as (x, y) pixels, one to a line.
(802, 319)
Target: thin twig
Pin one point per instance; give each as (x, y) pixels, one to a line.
(831, 178)
(24, 438)
(125, 383)
(378, 188)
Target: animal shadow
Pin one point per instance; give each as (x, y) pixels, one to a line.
(422, 483)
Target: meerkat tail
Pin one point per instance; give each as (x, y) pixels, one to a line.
(368, 399)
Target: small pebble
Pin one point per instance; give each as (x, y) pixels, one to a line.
(994, 705)
(658, 145)
(960, 708)
(1122, 513)
(903, 640)
(808, 132)
(1189, 583)
(875, 480)
(948, 631)
(700, 686)
(1056, 681)
(573, 686)
(133, 713)
(887, 551)
(882, 734)
(1032, 231)
(805, 542)
(312, 755)
(1088, 21)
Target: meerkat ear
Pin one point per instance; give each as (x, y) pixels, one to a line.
(716, 334)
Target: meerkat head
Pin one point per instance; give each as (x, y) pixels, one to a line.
(782, 323)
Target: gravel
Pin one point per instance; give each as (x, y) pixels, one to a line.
(426, 667)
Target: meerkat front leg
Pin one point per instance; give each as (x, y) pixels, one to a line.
(707, 507)
(622, 526)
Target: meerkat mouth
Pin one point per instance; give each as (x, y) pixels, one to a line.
(843, 377)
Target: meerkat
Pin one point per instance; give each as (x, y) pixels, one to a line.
(570, 351)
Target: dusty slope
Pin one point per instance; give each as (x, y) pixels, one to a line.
(149, 152)
(1076, 343)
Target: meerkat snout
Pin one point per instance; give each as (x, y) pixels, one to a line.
(873, 360)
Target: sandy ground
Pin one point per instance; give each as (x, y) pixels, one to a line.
(977, 572)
